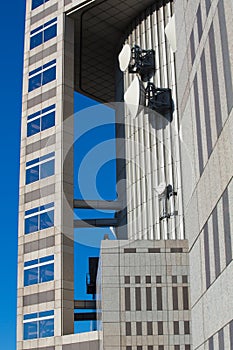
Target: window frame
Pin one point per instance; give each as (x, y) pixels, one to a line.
(38, 165)
(33, 7)
(36, 212)
(38, 117)
(40, 32)
(38, 75)
(37, 264)
(36, 319)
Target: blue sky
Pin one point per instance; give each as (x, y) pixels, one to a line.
(12, 29)
(11, 58)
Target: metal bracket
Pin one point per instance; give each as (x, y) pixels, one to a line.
(142, 62)
(159, 99)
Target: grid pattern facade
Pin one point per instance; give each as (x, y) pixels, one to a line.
(204, 66)
(151, 142)
(45, 287)
(143, 295)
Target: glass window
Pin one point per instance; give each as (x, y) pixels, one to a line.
(36, 40)
(43, 219)
(50, 32)
(30, 330)
(39, 325)
(46, 328)
(46, 273)
(43, 33)
(42, 75)
(33, 127)
(40, 168)
(48, 121)
(49, 75)
(31, 224)
(42, 272)
(31, 276)
(37, 3)
(41, 120)
(35, 82)
(32, 174)
(46, 220)
(47, 169)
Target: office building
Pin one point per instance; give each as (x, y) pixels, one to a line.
(165, 283)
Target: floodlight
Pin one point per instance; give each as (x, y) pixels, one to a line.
(138, 61)
(159, 99)
(135, 97)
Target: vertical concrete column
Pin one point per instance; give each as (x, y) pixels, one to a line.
(67, 242)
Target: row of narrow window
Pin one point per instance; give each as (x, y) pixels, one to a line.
(158, 331)
(43, 167)
(158, 297)
(41, 324)
(138, 279)
(157, 347)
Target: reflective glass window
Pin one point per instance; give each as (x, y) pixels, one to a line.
(38, 168)
(34, 82)
(47, 169)
(30, 330)
(46, 328)
(43, 33)
(46, 220)
(42, 75)
(46, 273)
(48, 121)
(36, 40)
(50, 32)
(39, 325)
(33, 127)
(31, 224)
(41, 120)
(37, 3)
(49, 75)
(32, 174)
(43, 219)
(30, 276)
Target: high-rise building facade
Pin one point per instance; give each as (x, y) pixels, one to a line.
(204, 75)
(165, 283)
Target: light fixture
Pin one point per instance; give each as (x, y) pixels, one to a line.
(138, 61)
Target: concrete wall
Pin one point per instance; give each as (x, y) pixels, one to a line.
(143, 295)
(56, 295)
(204, 65)
(152, 144)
